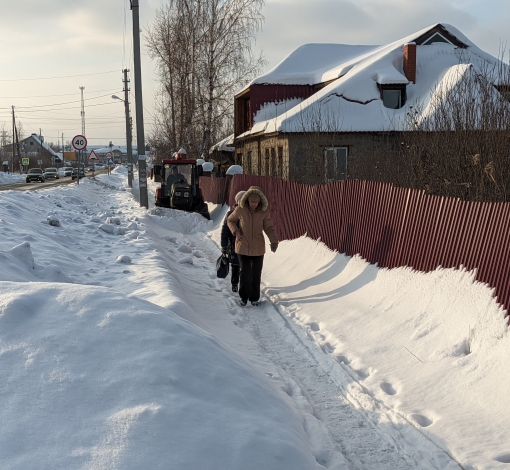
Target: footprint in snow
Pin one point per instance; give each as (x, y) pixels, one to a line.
(503, 458)
(421, 420)
(314, 326)
(362, 374)
(216, 286)
(328, 348)
(340, 359)
(387, 388)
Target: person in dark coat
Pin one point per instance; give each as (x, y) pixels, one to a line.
(228, 245)
(248, 222)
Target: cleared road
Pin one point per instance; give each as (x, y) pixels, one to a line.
(22, 186)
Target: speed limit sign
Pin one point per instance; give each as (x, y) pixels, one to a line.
(79, 142)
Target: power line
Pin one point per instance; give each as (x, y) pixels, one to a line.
(60, 104)
(59, 109)
(51, 96)
(52, 78)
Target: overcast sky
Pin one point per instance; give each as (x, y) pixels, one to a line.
(52, 48)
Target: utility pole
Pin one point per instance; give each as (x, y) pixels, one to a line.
(13, 139)
(82, 133)
(82, 112)
(15, 143)
(128, 130)
(42, 150)
(140, 142)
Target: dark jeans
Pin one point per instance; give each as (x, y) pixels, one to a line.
(251, 270)
(234, 274)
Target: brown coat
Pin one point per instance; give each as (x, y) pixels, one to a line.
(252, 224)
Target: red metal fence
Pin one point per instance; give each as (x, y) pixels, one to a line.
(213, 189)
(389, 226)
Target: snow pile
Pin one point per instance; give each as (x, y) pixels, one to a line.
(127, 352)
(9, 178)
(125, 384)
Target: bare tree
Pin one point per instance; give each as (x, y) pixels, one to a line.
(458, 144)
(203, 49)
(5, 135)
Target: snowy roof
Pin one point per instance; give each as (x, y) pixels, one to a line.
(352, 101)
(43, 144)
(225, 145)
(105, 150)
(312, 63)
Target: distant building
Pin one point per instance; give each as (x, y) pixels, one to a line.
(223, 154)
(119, 153)
(33, 148)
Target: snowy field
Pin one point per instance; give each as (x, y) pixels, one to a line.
(120, 349)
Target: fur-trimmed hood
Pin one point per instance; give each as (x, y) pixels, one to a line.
(255, 190)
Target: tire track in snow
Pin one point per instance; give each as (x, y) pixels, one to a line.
(333, 397)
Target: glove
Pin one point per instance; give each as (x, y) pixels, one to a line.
(224, 250)
(274, 246)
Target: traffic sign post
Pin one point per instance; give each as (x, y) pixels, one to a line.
(79, 142)
(93, 158)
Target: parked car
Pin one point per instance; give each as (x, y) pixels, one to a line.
(81, 174)
(35, 174)
(51, 173)
(67, 171)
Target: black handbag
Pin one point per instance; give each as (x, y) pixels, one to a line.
(222, 267)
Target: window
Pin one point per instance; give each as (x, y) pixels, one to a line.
(250, 160)
(254, 164)
(436, 38)
(266, 165)
(280, 162)
(247, 115)
(335, 163)
(392, 99)
(272, 164)
(504, 90)
(393, 96)
(242, 112)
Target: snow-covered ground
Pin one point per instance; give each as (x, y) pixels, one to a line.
(7, 178)
(120, 349)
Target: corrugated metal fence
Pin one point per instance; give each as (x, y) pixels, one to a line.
(213, 189)
(390, 226)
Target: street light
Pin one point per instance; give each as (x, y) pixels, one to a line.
(128, 131)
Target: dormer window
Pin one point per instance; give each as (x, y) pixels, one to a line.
(436, 38)
(393, 96)
(504, 90)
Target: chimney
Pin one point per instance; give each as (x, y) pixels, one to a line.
(410, 61)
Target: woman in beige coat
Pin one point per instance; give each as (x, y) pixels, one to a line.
(248, 222)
